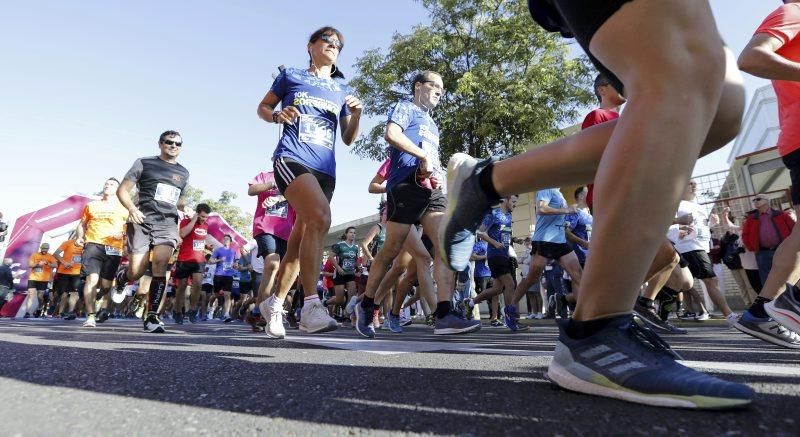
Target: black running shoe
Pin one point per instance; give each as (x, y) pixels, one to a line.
(646, 312)
(102, 316)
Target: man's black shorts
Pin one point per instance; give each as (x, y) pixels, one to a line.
(223, 283)
(792, 162)
(207, 288)
(499, 265)
(245, 287)
(408, 202)
(287, 170)
(269, 244)
(579, 19)
(343, 279)
(184, 269)
(38, 285)
(67, 283)
(100, 260)
(699, 264)
(550, 250)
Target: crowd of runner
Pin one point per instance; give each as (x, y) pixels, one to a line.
(615, 266)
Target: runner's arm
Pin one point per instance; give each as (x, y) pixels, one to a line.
(543, 209)
(367, 240)
(256, 189)
(376, 185)
(760, 59)
(80, 231)
(186, 230)
(350, 123)
(266, 110)
(572, 238)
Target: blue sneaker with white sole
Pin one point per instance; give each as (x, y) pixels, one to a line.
(364, 323)
(394, 323)
(453, 323)
(511, 319)
(632, 363)
(466, 206)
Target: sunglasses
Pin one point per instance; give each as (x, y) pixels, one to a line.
(757, 199)
(330, 40)
(172, 143)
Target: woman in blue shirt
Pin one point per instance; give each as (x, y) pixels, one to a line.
(314, 105)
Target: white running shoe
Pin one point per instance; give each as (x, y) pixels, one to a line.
(732, 319)
(90, 322)
(315, 318)
(273, 314)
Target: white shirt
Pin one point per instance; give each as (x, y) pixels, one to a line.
(700, 238)
(256, 261)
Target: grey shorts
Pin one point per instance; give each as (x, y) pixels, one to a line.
(141, 238)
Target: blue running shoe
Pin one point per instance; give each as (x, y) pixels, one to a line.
(511, 318)
(364, 323)
(632, 363)
(452, 323)
(466, 206)
(394, 323)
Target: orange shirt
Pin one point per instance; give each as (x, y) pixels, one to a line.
(41, 273)
(784, 25)
(105, 222)
(71, 254)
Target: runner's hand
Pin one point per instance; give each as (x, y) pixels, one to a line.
(79, 242)
(67, 266)
(136, 216)
(425, 167)
(288, 115)
(435, 182)
(354, 105)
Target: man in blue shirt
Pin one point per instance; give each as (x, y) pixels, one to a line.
(550, 243)
(579, 225)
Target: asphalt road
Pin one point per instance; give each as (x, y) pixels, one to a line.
(57, 378)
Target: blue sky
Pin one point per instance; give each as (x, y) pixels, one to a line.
(87, 86)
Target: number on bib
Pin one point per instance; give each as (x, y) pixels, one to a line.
(316, 130)
(167, 193)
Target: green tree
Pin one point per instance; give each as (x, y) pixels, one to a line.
(239, 220)
(508, 82)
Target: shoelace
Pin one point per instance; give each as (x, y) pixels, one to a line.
(649, 338)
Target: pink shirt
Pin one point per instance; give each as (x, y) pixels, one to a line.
(273, 214)
(784, 25)
(383, 170)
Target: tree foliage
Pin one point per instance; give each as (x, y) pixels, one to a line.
(238, 219)
(508, 82)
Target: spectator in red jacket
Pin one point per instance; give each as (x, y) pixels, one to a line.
(763, 230)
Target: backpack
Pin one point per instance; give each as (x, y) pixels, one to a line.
(729, 250)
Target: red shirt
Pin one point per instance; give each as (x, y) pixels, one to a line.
(597, 116)
(193, 246)
(784, 25)
(327, 281)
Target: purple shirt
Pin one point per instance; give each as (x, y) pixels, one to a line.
(768, 236)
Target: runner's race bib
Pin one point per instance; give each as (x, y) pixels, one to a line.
(280, 209)
(37, 270)
(76, 259)
(235, 284)
(198, 245)
(506, 238)
(348, 264)
(167, 193)
(113, 251)
(316, 130)
(227, 266)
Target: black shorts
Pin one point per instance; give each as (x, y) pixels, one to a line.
(245, 287)
(67, 283)
(100, 260)
(550, 250)
(792, 162)
(269, 244)
(207, 288)
(170, 291)
(579, 19)
(482, 284)
(223, 283)
(343, 279)
(184, 269)
(426, 241)
(287, 170)
(499, 265)
(699, 264)
(38, 285)
(408, 202)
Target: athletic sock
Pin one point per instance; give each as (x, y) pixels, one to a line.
(757, 308)
(485, 179)
(278, 300)
(157, 286)
(309, 299)
(580, 330)
(646, 302)
(443, 309)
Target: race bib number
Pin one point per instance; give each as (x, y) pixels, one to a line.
(167, 193)
(316, 130)
(227, 265)
(113, 251)
(506, 238)
(348, 264)
(235, 284)
(76, 259)
(198, 245)
(279, 209)
(37, 270)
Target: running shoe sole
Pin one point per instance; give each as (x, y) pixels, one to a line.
(566, 380)
(331, 327)
(460, 167)
(450, 331)
(764, 336)
(788, 317)
(370, 333)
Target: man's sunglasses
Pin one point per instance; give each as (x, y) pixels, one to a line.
(758, 199)
(336, 43)
(172, 143)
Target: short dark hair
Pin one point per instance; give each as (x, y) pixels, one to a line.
(578, 191)
(113, 179)
(228, 236)
(202, 207)
(422, 77)
(599, 81)
(327, 30)
(169, 133)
